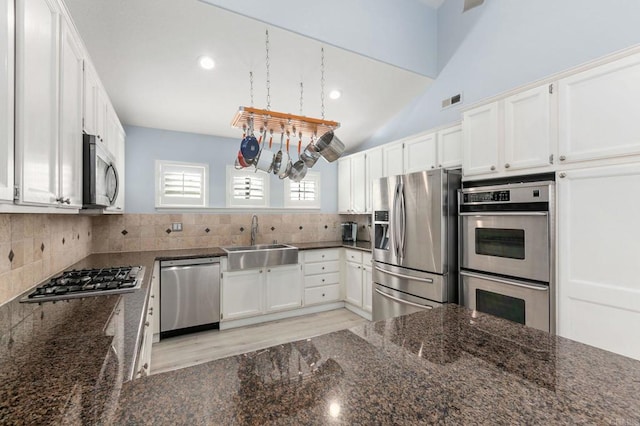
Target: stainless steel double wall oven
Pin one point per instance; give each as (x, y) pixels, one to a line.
(507, 250)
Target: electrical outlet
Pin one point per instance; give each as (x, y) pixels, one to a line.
(176, 226)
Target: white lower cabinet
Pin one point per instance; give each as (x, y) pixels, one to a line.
(321, 276)
(357, 280)
(282, 290)
(254, 292)
(151, 324)
(242, 294)
(598, 245)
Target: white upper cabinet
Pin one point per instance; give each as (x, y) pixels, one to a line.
(481, 140)
(528, 130)
(393, 159)
(70, 150)
(37, 76)
(90, 102)
(344, 185)
(373, 171)
(6, 97)
(450, 147)
(598, 112)
(358, 176)
(420, 153)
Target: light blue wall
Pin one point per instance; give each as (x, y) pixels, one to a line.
(144, 146)
(399, 32)
(506, 43)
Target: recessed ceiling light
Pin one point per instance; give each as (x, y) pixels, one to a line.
(206, 62)
(335, 94)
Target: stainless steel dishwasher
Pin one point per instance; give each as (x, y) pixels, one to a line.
(189, 295)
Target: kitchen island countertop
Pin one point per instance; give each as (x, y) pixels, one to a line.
(68, 363)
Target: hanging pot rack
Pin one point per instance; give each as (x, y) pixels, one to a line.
(276, 121)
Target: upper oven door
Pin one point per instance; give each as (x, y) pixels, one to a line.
(507, 243)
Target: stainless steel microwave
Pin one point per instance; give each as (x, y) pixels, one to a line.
(100, 177)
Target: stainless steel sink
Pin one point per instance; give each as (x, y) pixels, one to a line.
(260, 255)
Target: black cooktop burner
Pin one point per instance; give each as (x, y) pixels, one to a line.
(88, 282)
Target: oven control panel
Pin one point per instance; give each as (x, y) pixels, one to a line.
(483, 197)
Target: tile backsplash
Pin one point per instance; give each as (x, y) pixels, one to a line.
(132, 232)
(36, 246)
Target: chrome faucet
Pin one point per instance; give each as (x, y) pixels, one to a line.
(254, 229)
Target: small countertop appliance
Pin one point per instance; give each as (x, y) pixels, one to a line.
(349, 231)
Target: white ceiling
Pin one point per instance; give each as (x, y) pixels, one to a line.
(146, 52)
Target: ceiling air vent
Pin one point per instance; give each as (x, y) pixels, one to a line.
(455, 99)
(470, 4)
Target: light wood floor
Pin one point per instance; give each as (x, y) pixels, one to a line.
(184, 351)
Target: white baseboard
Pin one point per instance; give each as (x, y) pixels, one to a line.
(364, 314)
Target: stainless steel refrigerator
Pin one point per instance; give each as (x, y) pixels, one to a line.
(415, 242)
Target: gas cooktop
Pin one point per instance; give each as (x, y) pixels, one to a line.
(88, 282)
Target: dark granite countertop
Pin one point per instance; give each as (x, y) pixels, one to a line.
(441, 366)
(358, 245)
(69, 363)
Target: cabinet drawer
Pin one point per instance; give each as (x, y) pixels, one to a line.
(324, 294)
(321, 255)
(321, 267)
(353, 256)
(322, 279)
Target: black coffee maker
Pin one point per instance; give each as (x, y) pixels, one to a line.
(349, 231)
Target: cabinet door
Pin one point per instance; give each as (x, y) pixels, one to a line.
(598, 246)
(344, 185)
(420, 153)
(6, 96)
(242, 294)
(70, 141)
(598, 112)
(367, 289)
(528, 138)
(392, 159)
(358, 183)
(101, 114)
(353, 276)
(450, 147)
(283, 288)
(90, 101)
(480, 142)
(37, 25)
(373, 167)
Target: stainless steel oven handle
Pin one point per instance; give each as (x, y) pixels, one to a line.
(498, 213)
(508, 282)
(396, 274)
(417, 305)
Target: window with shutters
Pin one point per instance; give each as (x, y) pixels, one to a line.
(247, 188)
(181, 184)
(304, 194)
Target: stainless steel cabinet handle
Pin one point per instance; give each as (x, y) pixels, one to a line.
(146, 323)
(563, 175)
(396, 274)
(562, 158)
(506, 166)
(67, 200)
(417, 305)
(493, 168)
(508, 282)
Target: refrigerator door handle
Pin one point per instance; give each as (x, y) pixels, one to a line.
(395, 231)
(396, 274)
(402, 221)
(406, 302)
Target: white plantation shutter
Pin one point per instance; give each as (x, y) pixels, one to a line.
(181, 184)
(304, 194)
(246, 188)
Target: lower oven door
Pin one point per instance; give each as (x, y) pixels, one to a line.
(519, 301)
(389, 303)
(507, 243)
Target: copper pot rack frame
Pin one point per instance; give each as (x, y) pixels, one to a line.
(278, 121)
